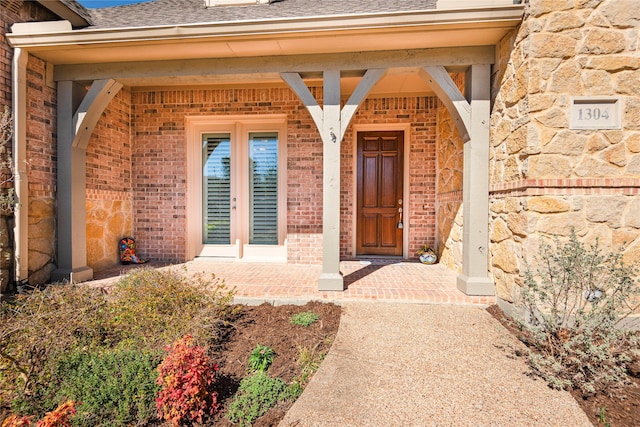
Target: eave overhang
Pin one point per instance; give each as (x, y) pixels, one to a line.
(78, 16)
(291, 36)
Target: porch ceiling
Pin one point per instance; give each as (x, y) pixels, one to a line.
(404, 80)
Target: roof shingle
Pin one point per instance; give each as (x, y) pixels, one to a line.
(176, 12)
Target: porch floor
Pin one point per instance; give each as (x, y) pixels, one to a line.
(371, 280)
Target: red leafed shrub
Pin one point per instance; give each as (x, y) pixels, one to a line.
(60, 416)
(186, 377)
(17, 421)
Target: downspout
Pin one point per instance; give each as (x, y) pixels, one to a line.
(21, 182)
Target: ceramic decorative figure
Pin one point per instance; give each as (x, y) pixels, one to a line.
(427, 255)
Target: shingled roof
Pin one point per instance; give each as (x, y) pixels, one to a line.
(78, 9)
(175, 12)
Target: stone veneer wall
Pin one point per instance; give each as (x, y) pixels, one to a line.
(109, 190)
(12, 11)
(545, 177)
(450, 160)
(159, 159)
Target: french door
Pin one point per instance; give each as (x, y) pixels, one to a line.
(242, 201)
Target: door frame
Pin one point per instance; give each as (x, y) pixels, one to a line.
(237, 126)
(382, 127)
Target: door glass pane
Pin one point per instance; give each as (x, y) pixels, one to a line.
(263, 188)
(216, 187)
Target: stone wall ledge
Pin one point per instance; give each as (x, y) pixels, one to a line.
(567, 186)
(448, 197)
(95, 194)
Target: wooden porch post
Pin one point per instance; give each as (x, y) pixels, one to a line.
(77, 116)
(332, 122)
(474, 279)
(471, 116)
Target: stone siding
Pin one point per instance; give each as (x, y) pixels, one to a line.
(545, 177)
(449, 187)
(108, 220)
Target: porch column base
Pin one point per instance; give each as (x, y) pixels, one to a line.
(476, 286)
(75, 275)
(331, 282)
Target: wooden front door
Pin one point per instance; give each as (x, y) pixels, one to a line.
(380, 172)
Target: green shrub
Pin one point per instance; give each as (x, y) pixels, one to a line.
(305, 318)
(147, 310)
(261, 358)
(256, 395)
(574, 302)
(152, 307)
(115, 387)
(39, 327)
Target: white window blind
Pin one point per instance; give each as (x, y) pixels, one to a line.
(263, 188)
(216, 179)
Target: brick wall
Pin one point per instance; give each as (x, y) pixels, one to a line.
(12, 11)
(159, 162)
(420, 112)
(109, 189)
(41, 170)
(41, 203)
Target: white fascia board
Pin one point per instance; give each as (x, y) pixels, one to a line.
(504, 16)
(470, 4)
(45, 27)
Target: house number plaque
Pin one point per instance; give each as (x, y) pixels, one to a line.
(595, 113)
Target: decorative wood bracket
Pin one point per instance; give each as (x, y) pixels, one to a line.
(453, 100)
(93, 104)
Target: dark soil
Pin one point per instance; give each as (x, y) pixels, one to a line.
(621, 404)
(270, 326)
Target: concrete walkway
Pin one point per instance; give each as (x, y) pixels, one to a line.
(427, 365)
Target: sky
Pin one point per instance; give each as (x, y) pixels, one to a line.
(106, 3)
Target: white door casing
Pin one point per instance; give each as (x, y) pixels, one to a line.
(238, 128)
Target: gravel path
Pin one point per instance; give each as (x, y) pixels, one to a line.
(427, 365)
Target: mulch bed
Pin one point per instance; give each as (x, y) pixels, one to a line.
(270, 326)
(621, 404)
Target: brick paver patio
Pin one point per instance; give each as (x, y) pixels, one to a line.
(373, 280)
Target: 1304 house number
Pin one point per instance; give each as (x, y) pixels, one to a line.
(595, 113)
(590, 113)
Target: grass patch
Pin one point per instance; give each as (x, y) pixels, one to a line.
(306, 318)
